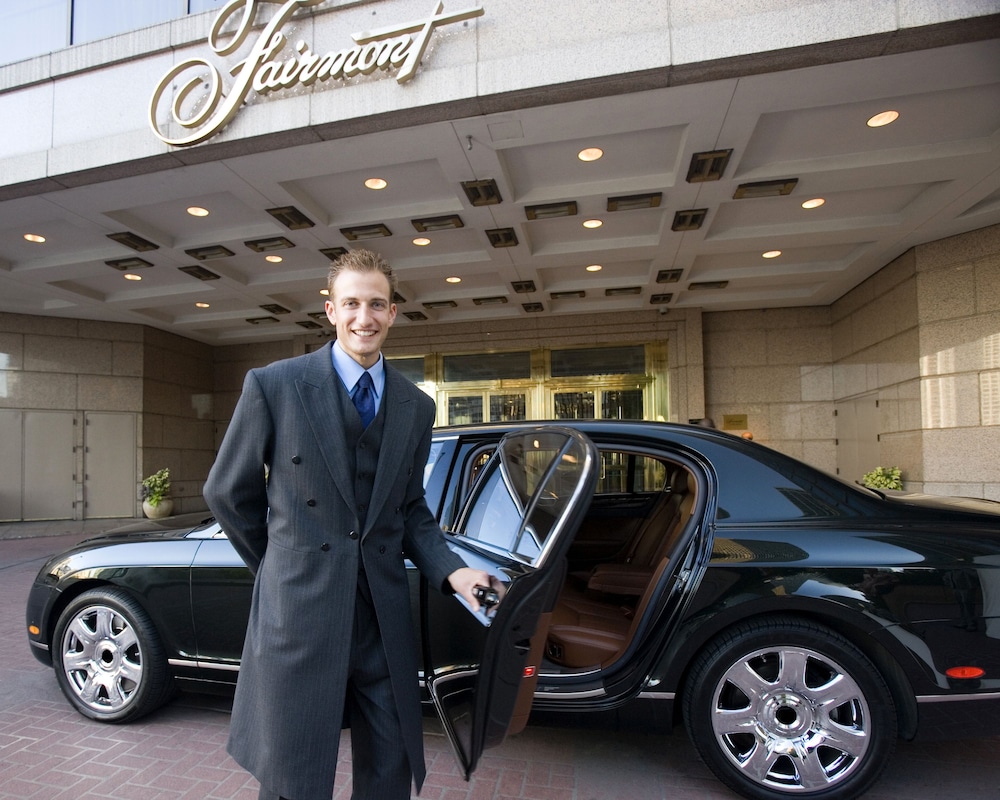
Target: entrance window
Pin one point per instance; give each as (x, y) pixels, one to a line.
(465, 409)
(507, 407)
(623, 404)
(574, 405)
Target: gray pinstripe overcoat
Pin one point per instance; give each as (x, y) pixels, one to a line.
(295, 532)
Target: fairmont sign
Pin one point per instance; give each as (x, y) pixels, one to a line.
(194, 88)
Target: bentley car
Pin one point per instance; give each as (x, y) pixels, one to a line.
(795, 624)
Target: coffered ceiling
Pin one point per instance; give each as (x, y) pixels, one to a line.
(674, 162)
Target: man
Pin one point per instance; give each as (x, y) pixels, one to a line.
(322, 508)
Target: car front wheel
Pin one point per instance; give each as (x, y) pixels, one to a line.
(787, 708)
(108, 659)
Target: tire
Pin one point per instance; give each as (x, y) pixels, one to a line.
(108, 659)
(786, 708)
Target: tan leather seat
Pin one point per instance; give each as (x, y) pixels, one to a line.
(588, 630)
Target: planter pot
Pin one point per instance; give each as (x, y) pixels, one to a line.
(162, 509)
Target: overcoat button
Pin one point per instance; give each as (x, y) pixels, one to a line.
(353, 534)
(362, 507)
(381, 550)
(296, 460)
(324, 547)
(310, 502)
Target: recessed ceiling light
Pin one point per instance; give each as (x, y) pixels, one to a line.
(131, 276)
(376, 183)
(594, 268)
(592, 223)
(453, 279)
(816, 202)
(274, 259)
(590, 154)
(883, 118)
(771, 254)
(34, 237)
(421, 241)
(202, 305)
(197, 211)
(324, 292)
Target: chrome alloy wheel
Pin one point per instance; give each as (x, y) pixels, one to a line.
(791, 718)
(102, 658)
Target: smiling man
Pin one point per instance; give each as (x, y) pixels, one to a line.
(343, 438)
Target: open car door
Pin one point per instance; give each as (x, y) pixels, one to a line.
(523, 511)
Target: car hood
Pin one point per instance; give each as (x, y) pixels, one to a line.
(971, 505)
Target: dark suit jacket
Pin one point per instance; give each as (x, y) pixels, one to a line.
(300, 533)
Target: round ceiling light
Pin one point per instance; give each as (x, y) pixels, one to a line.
(131, 276)
(594, 268)
(324, 292)
(883, 118)
(590, 154)
(274, 259)
(771, 254)
(202, 305)
(592, 223)
(421, 241)
(376, 183)
(197, 211)
(34, 237)
(453, 279)
(816, 202)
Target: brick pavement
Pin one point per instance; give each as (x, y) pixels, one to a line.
(49, 752)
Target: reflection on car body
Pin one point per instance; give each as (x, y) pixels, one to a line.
(796, 625)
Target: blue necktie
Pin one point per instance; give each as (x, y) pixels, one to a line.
(364, 399)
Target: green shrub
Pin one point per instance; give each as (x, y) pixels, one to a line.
(883, 478)
(156, 487)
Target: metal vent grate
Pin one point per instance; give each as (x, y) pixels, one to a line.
(482, 193)
(333, 253)
(708, 166)
(360, 232)
(210, 251)
(523, 287)
(415, 316)
(551, 210)
(267, 245)
(634, 202)
(669, 275)
(502, 237)
(660, 299)
(689, 220)
(532, 308)
(129, 263)
(291, 218)
(431, 224)
(751, 191)
(134, 241)
(274, 308)
(200, 273)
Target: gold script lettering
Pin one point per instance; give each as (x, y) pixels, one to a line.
(197, 84)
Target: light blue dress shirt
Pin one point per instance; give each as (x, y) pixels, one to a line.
(350, 371)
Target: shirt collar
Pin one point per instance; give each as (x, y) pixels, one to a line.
(350, 370)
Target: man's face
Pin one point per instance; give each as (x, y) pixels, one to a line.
(361, 309)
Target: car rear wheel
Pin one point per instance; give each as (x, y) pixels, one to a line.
(108, 659)
(787, 708)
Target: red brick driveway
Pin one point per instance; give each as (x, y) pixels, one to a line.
(48, 751)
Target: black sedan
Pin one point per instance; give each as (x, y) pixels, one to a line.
(797, 625)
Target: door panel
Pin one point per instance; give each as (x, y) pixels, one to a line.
(521, 517)
(109, 469)
(49, 465)
(11, 476)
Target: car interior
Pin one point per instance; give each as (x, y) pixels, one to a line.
(642, 509)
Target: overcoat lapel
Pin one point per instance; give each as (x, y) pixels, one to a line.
(318, 393)
(395, 440)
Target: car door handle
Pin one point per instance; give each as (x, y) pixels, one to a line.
(486, 596)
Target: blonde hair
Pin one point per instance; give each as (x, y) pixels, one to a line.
(362, 261)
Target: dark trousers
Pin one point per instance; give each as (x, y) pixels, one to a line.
(381, 768)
